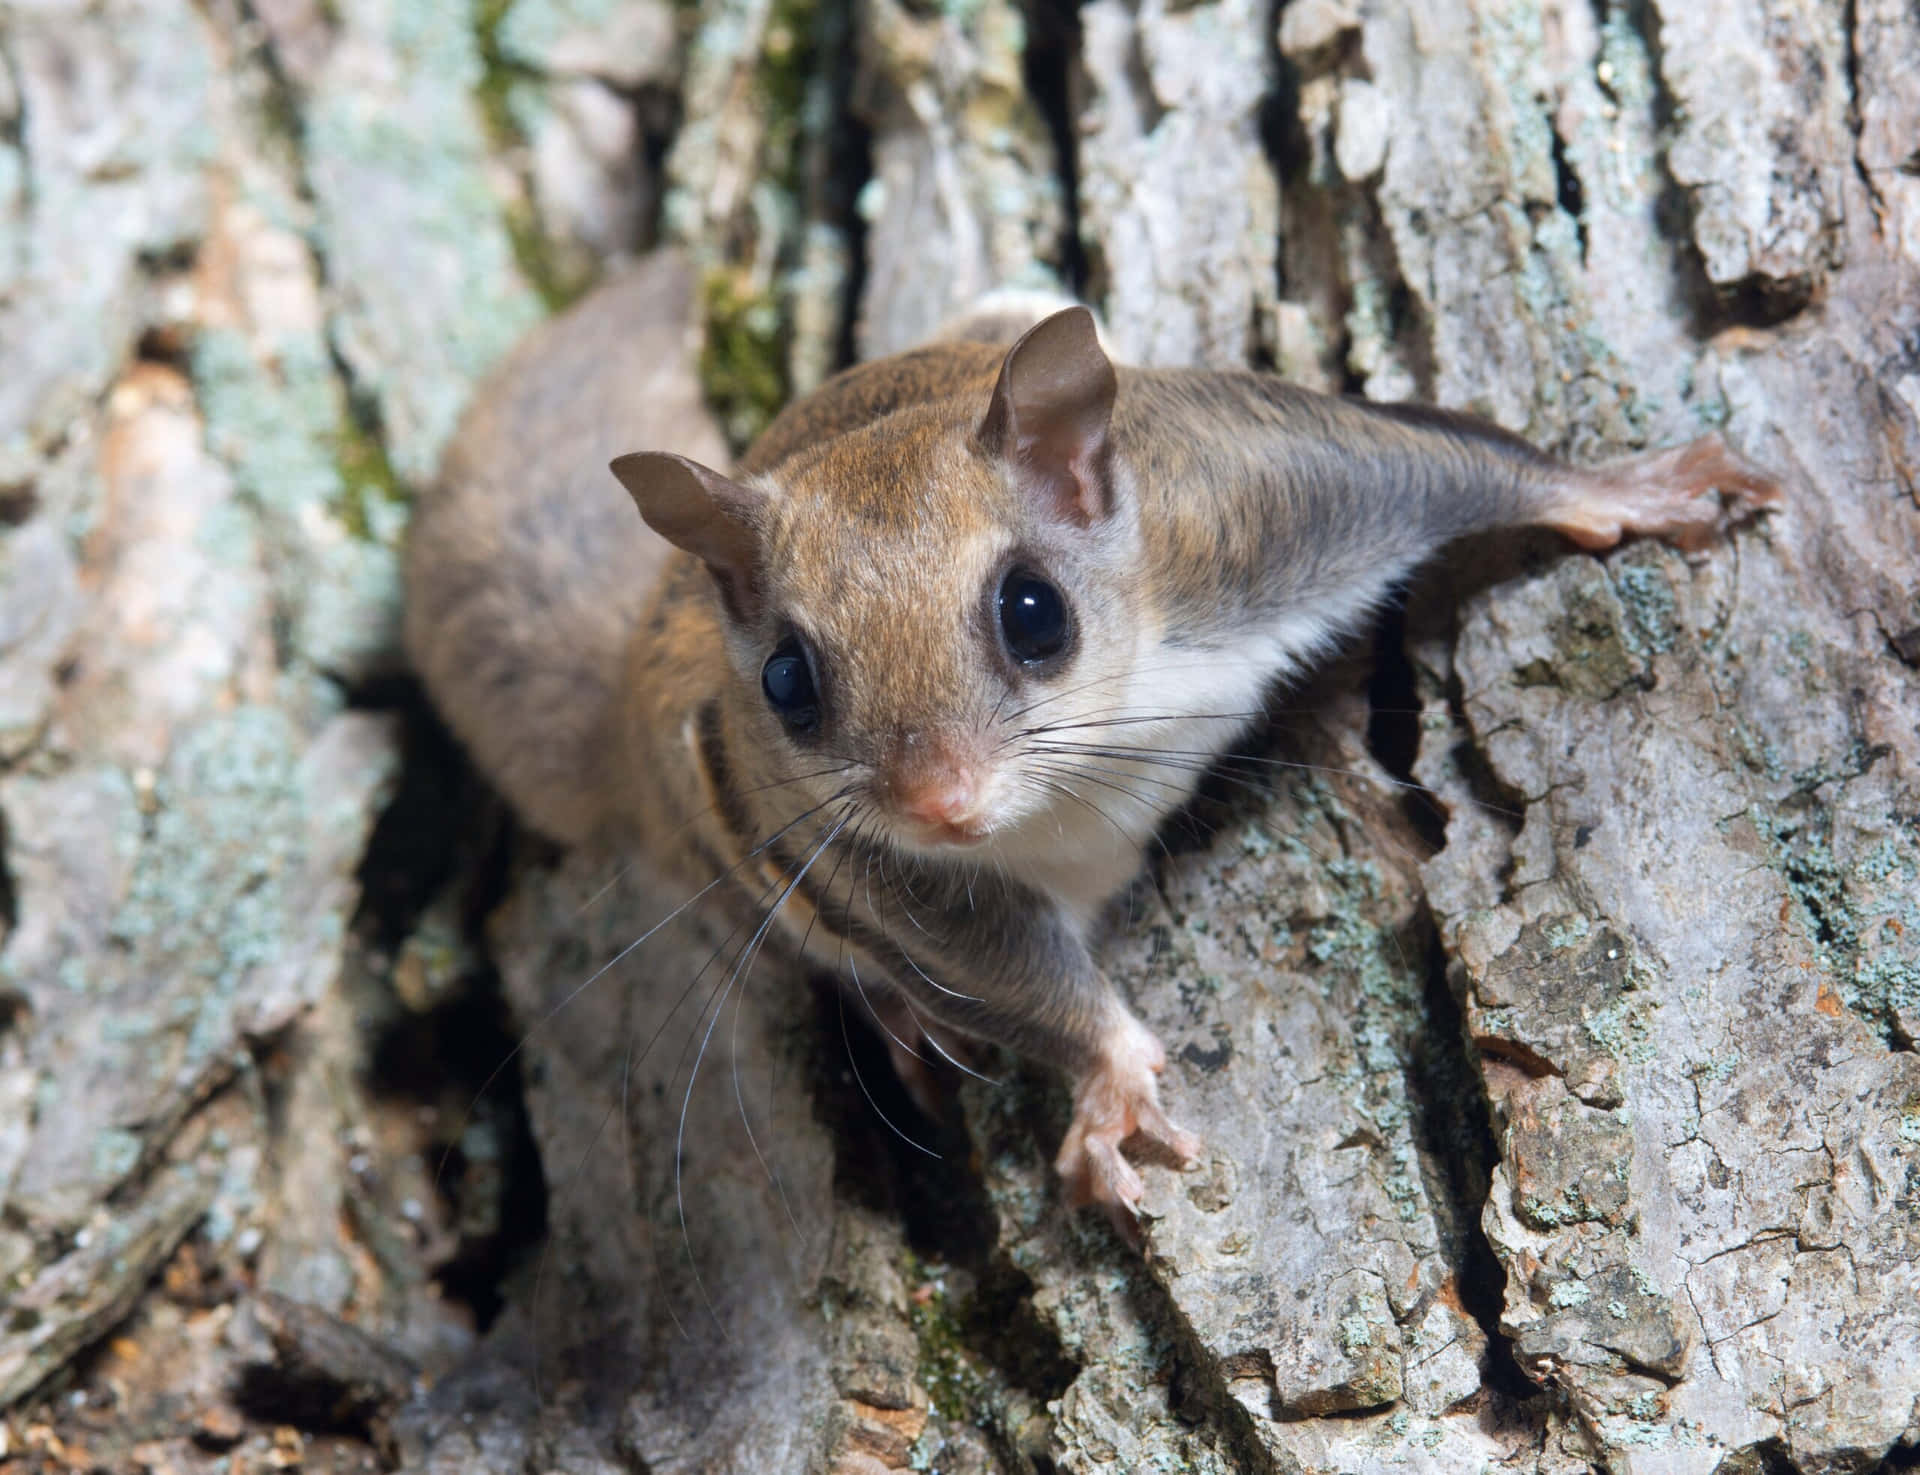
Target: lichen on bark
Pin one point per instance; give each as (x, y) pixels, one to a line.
(1546, 989)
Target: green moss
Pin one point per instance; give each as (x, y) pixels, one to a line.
(743, 366)
(278, 116)
(286, 431)
(369, 486)
(1370, 324)
(1886, 861)
(786, 65)
(984, 1355)
(315, 481)
(1593, 654)
(1621, 1028)
(274, 431)
(501, 96)
(557, 287)
(1569, 1206)
(957, 1386)
(1646, 1406)
(115, 1151)
(1758, 751)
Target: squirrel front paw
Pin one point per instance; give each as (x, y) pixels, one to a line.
(1117, 1101)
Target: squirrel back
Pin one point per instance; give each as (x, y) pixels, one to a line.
(527, 568)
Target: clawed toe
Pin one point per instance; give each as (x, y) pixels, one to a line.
(1093, 1171)
(1157, 1139)
(1115, 1104)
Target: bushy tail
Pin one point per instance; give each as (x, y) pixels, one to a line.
(527, 565)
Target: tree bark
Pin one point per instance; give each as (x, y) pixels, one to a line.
(1545, 983)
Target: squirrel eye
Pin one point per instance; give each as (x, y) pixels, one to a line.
(788, 682)
(1033, 617)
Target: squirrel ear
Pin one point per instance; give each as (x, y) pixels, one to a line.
(1050, 413)
(711, 516)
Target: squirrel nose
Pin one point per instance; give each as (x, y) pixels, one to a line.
(940, 803)
(938, 790)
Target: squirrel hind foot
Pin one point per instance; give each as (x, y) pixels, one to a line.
(1667, 494)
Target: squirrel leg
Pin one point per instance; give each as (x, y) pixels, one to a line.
(1667, 494)
(915, 1046)
(1018, 973)
(1116, 1100)
(906, 1050)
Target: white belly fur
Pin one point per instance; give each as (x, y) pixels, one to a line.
(1082, 851)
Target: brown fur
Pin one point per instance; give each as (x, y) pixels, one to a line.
(527, 569)
(1217, 522)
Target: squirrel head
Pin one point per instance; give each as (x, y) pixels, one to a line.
(907, 603)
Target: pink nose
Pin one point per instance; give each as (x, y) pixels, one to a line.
(936, 789)
(948, 800)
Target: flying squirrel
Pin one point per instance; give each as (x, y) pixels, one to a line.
(926, 624)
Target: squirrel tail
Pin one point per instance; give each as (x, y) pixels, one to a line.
(528, 568)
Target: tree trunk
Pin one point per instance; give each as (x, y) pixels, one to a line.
(1545, 983)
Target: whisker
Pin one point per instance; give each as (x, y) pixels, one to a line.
(1178, 809)
(1199, 761)
(845, 961)
(886, 1028)
(701, 814)
(994, 716)
(1177, 665)
(600, 972)
(1080, 767)
(1137, 720)
(941, 1050)
(915, 966)
(1056, 786)
(626, 1148)
(660, 1029)
(546, 1250)
(907, 886)
(624, 1105)
(861, 1081)
(879, 920)
(1048, 698)
(739, 1095)
(647, 1049)
(1174, 810)
(619, 875)
(826, 891)
(746, 1122)
(680, 1134)
(905, 909)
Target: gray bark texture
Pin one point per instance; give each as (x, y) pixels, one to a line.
(1545, 981)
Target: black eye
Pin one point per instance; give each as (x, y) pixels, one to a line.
(788, 682)
(1033, 617)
